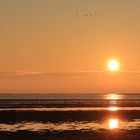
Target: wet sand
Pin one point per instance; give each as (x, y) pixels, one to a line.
(72, 135)
(63, 116)
(12, 117)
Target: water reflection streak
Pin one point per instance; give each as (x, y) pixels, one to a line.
(77, 125)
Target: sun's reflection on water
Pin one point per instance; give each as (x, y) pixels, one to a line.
(113, 108)
(113, 96)
(113, 123)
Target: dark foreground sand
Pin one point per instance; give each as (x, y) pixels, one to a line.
(72, 135)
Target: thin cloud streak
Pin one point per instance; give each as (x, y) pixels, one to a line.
(26, 73)
(22, 73)
(127, 71)
(14, 73)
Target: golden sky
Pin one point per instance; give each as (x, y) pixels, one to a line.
(52, 46)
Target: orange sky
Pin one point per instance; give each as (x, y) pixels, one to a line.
(48, 38)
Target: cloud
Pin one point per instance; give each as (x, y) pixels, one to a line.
(12, 73)
(131, 72)
(26, 73)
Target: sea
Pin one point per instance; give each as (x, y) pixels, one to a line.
(76, 116)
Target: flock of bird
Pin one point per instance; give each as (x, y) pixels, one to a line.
(89, 14)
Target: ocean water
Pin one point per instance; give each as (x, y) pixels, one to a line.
(71, 116)
(99, 96)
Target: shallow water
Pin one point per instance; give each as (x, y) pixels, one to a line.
(111, 108)
(61, 126)
(111, 117)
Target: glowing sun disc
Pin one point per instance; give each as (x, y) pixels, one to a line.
(113, 65)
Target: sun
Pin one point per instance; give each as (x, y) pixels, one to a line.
(113, 65)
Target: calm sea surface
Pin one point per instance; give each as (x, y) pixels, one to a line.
(71, 96)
